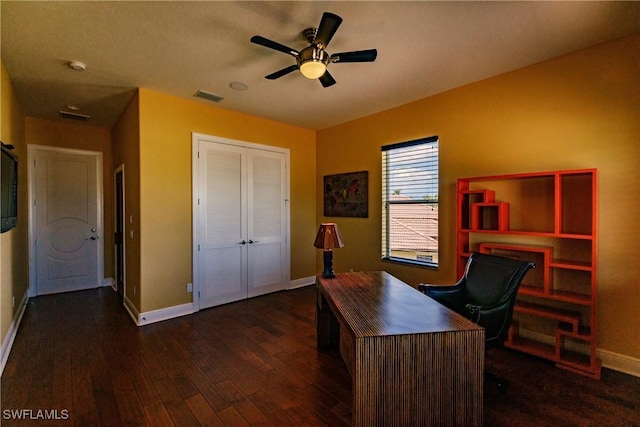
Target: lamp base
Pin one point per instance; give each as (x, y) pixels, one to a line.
(327, 258)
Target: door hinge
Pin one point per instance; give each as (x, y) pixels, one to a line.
(198, 248)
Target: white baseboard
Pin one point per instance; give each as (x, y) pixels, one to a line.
(617, 362)
(305, 281)
(131, 309)
(620, 362)
(108, 281)
(154, 316)
(7, 343)
(167, 313)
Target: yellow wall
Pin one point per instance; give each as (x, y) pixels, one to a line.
(577, 111)
(14, 252)
(80, 136)
(126, 151)
(166, 124)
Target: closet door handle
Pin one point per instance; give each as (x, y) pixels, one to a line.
(253, 241)
(244, 242)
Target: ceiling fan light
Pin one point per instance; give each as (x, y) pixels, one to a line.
(313, 69)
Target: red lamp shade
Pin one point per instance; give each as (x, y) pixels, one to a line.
(328, 237)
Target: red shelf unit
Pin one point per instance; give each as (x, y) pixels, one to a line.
(549, 218)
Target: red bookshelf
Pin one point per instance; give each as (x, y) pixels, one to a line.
(549, 218)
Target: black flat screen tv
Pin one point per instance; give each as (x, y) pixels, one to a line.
(9, 189)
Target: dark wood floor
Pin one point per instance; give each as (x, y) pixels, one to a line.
(248, 363)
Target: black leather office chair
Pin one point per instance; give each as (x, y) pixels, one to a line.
(486, 295)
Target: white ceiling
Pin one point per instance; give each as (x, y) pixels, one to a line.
(179, 47)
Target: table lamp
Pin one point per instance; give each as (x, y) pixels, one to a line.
(328, 238)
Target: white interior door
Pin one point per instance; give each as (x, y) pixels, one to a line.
(67, 220)
(222, 274)
(267, 228)
(240, 221)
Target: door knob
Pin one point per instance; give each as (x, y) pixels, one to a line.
(244, 242)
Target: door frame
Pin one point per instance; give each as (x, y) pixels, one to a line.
(123, 267)
(196, 138)
(31, 189)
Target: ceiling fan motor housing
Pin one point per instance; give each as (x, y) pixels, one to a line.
(312, 53)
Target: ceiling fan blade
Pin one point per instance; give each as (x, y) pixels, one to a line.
(356, 56)
(282, 72)
(273, 45)
(327, 28)
(327, 80)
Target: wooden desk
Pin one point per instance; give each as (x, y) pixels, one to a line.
(413, 362)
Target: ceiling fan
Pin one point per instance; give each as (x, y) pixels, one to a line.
(312, 61)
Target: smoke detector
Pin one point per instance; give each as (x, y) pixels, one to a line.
(77, 65)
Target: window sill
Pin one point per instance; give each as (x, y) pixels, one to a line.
(411, 263)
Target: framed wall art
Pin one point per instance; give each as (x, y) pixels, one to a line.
(347, 194)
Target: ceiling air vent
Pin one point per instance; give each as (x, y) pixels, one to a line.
(208, 96)
(73, 116)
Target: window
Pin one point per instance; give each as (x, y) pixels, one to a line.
(410, 202)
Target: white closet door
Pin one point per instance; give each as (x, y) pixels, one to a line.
(267, 228)
(223, 209)
(241, 222)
